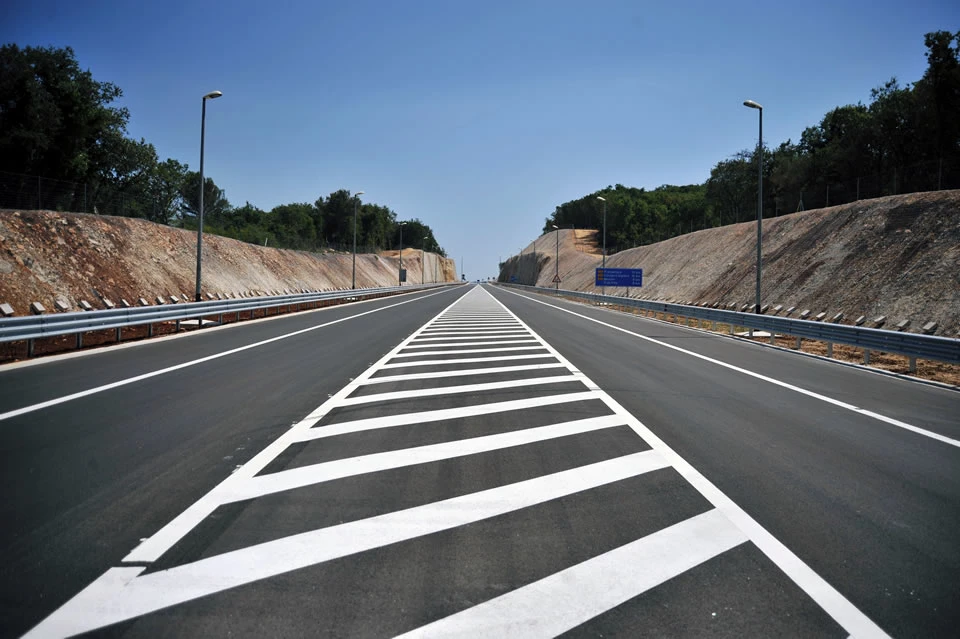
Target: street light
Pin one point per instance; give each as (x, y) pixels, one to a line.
(603, 289)
(356, 203)
(400, 272)
(556, 279)
(423, 260)
(754, 105)
(203, 123)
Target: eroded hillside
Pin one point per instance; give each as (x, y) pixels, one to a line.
(45, 256)
(897, 256)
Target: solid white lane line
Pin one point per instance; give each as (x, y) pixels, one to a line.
(465, 388)
(465, 372)
(566, 599)
(465, 360)
(472, 350)
(426, 417)
(826, 596)
(377, 462)
(776, 382)
(480, 343)
(209, 358)
(120, 594)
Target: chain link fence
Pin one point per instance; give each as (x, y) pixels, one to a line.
(33, 192)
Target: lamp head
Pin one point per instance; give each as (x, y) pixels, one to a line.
(213, 95)
(752, 104)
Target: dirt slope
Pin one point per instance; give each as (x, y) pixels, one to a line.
(897, 256)
(46, 255)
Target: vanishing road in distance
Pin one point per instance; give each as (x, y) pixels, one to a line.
(474, 461)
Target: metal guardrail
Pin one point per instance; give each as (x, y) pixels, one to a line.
(912, 345)
(28, 328)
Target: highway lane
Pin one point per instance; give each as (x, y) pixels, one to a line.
(873, 508)
(88, 478)
(488, 473)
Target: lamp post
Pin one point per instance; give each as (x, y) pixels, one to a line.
(203, 123)
(754, 105)
(400, 272)
(603, 289)
(356, 204)
(556, 282)
(423, 260)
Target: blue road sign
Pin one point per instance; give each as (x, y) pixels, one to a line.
(632, 277)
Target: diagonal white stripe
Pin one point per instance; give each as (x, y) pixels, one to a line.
(465, 388)
(120, 595)
(328, 471)
(566, 599)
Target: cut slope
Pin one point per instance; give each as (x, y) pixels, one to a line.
(897, 256)
(46, 255)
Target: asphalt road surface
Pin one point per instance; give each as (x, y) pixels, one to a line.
(474, 461)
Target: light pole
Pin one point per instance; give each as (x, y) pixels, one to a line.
(356, 204)
(603, 289)
(423, 260)
(400, 272)
(754, 105)
(556, 279)
(203, 123)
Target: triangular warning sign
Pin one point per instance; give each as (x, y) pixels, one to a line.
(556, 279)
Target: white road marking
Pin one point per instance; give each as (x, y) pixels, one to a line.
(474, 350)
(463, 372)
(406, 419)
(566, 599)
(120, 594)
(464, 360)
(471, 336)
(473, 331)
(817, 588)
(139, 378)
(484, 343)
(328, 471)
(776, 382)
(465, 388)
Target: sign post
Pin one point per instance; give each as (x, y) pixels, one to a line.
(628, 277)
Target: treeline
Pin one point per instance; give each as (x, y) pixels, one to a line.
(64, 146)
(906, 139)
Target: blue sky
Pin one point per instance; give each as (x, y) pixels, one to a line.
(476, 117)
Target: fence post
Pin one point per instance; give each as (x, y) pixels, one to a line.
(39, 199)
(858, 189)
(84, 197)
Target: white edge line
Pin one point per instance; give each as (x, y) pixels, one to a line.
(139, 378)
(771, 380)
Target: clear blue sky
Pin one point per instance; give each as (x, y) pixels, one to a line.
(476, 117)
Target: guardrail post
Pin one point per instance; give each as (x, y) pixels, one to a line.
(79, 340)
(866, 357)
(799, 339)
(118, 335)
(913, 364)
(149, 330)
(178, 326)
(29, 348)
(829, 349)
(773, 335)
